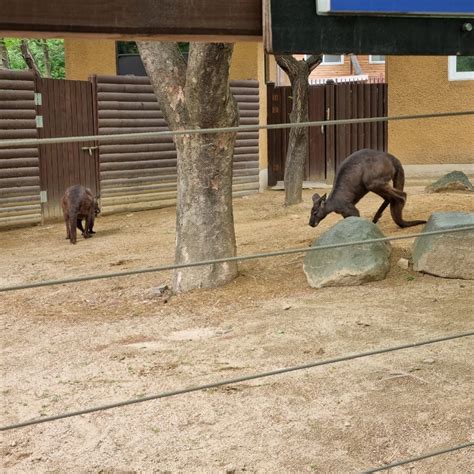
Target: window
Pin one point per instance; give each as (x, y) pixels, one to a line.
(331, 59)
(376, 59)
(460, 68)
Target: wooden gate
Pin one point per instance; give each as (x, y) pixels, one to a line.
(328, 145)
(66, 108)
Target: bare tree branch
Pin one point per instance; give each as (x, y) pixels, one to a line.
(47, 59)
(4, 61)
(314, 61)
(356, 65)
(29, 59)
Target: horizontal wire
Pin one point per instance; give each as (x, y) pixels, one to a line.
(39, 284)
(419, 458)
(240, 128)
(244, 378)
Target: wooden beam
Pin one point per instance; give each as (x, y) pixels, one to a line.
(218, 20)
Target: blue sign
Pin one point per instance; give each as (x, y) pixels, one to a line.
(443, 8)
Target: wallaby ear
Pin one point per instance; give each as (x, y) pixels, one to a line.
(324, 197)
(316, 197)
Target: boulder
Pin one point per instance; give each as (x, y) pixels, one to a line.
(446, 255)
(454, 181)
(346, 266)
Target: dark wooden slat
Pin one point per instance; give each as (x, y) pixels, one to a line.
(126, 97)
(117, 149)
(17, 85)
(6, 74)
(18, 153)
(12, 134)
(9, 105)
(13, 163)
(18, 171)
(141, 157)
(6, 124)
(19, 191)
(9, 114)
(157, 18)
(16, 95)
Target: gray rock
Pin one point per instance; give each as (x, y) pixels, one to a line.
(351, 265)
(454, 181)
(446, 255)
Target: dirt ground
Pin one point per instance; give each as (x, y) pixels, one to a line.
(80, 345)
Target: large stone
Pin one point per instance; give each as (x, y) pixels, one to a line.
(446, 255)
(454, 181)
(346, 266)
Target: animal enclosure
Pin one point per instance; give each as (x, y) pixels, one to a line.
(107, 340)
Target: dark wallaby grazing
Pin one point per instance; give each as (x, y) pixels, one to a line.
(79, 203)
(364, 171)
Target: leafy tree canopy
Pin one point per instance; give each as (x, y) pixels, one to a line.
(55, 49)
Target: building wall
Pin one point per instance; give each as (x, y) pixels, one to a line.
(419, 85)
(324, 71)
(244, 61)
(85, 57)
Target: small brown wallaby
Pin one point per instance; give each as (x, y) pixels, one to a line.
(364, 171)
(79, 203)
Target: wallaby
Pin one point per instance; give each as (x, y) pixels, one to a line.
(79, 203)
(363, 171)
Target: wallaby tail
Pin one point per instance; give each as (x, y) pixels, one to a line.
(396, 207)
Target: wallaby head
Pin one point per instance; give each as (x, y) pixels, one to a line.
(318, 211)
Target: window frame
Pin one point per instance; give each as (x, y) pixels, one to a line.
(373, 61)
(331, 63)
(454, 75)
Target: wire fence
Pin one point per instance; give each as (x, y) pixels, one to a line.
(243, 128)
(419, 458)
(245, 378)
(214, 261)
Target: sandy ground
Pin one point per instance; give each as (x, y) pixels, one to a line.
(73, 346)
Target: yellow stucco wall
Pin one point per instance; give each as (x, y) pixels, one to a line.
(244, 61)
(85, 57)
(418, 85)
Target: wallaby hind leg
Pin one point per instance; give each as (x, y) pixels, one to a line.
(379, 213)
(68, 230)
(72, 229)
(397, 201)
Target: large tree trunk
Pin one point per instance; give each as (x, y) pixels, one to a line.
(198, 96)
(298, 145)
(4, 61)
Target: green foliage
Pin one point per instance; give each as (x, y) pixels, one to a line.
(56, 55)
(465, 64)
(130, 47)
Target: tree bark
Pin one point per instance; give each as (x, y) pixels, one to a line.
(4, 61)
(47, 59)
(198, 96)
(356, 65)
(298, 145)
(29, 59)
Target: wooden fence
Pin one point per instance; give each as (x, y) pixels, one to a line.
(141, 174)
(328, 145)
(19, 166)
(129, 174)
